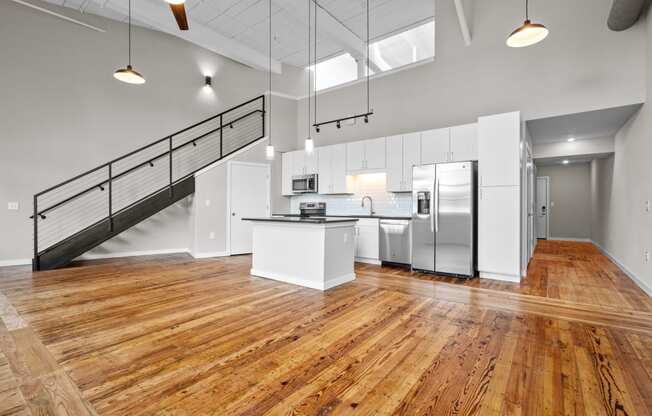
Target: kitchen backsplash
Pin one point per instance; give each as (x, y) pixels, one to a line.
(372, 184)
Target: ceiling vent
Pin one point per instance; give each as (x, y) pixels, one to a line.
(624, 13)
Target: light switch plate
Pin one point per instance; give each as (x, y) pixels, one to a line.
(12, 206)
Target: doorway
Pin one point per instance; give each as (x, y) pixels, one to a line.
(248, 196)
(531, 204)
(543, 207)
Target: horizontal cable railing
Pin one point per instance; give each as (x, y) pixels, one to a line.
(99, 194)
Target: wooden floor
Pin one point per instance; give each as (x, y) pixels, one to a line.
(176, 336)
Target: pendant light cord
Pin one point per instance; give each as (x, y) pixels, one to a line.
(527, 9)
(315, 61)
(270, 72)
(129, 32)
(368, 65)
(309, 70)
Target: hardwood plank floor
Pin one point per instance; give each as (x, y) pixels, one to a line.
(171, 335)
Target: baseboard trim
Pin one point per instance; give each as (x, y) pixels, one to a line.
(629, 273)
(98, 256)
(581, 240)
(501, 277)
(368, 261)
(209, 254)
(15, 262)
(299, 281)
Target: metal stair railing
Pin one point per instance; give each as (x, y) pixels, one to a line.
(72, 206)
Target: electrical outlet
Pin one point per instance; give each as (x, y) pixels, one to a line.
(646, 256)
(211, 235)
(12, 206)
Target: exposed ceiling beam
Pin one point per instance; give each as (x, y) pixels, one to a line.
(156, 14)
(59, 15)
(330, 27)
(462, 18)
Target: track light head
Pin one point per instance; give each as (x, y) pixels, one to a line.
(151, 165)
(339, 126)
(194, 144)
(231, 125)
(208, 80)
(366, 119)
(317, 129)
(101, 187)
(42, 216)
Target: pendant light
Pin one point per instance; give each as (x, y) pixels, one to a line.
(310, 144)
(528, 34)
(269, 151)
(128, 74)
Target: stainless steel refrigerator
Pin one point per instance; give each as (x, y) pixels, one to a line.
(444, 218)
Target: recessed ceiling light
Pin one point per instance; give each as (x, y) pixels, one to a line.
(565, 162)
(571, 139)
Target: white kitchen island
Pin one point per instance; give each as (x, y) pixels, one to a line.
(315, 252)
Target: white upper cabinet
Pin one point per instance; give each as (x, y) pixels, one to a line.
(464, 143)
(355, 156)
(411, 157)
(394, 164)
(403, 152)
(498, 149)
(435, 146)
(286, 174)
(366, 155)
(332, 169)
(304, 163)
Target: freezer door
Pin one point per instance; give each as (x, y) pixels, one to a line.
(423, 226)
(454, 218)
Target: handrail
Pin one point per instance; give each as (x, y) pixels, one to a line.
(42, 212)
(147, 146)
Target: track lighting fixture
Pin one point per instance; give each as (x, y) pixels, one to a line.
(128, 74)
(528, 33)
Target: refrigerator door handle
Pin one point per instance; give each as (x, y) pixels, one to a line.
(432, 211)
(436, 212)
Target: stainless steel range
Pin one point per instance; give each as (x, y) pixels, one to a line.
(312, 209)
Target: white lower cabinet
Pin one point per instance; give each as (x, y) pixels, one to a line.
(367, 241)
(499, 232)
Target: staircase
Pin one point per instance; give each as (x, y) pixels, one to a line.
(83, 212)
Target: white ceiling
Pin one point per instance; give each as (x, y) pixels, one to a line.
(341, 23)
(587, 125)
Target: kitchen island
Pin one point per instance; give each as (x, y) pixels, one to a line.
(313, 252)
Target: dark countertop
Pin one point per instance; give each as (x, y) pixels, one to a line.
(298, 220)
(380, 217)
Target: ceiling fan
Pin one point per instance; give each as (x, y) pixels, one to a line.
(179, 12)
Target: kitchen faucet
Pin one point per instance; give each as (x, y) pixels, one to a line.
(371, 204)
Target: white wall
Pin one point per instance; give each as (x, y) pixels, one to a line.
(63, 113)
(570, 192)
(622, 184)
(582, 66)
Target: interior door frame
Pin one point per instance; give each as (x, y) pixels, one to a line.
(229, 176)
(548, 210)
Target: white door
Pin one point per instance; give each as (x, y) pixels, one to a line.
(464, 143)
(394, 164)
(435, 146)
(354, 156)
(248, 197)
(542, 208)
(411, 157)
(531, 236)
(375, 154)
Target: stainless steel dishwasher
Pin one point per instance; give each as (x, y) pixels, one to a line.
(395, 241)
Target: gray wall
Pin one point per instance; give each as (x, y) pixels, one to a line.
(570, 192)
(63, 113)
(581, 66)
(621, 185)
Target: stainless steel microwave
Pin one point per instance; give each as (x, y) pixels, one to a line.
(304, 184)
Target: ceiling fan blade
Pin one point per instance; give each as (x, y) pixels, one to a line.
(179, 12)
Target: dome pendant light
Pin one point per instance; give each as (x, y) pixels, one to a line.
(528, 34)
(128, 74)
(309, 144)
(269, 151)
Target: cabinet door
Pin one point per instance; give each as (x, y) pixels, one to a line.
(394, 164)
(375, 154)
(355, 156)
(298, 162)
(367, 242)
(411, 158)
(435, 146)
(338, 169)
(325, 171)
(464, 142)
(286, 174)
(498, 149)
(311, 162)
(498, 230)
